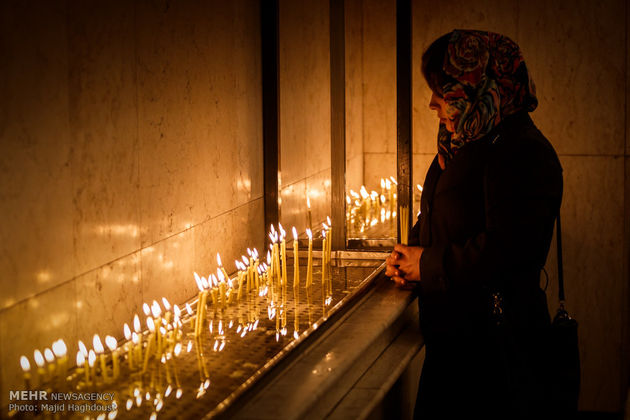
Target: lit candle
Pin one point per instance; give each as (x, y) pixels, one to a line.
(296, 260)
(138, 343)
(308, 207)
(112, 344)
(283, 235)
(128, 345)
(39, 361)
(225, 274)
(61, 351)
(239, 279)
(329, 243)
(222, 295)
(323, 259)
(80, 363)
(90, 366)
(212, 283)
(135, 339)
(26, 367)
(309, 267)
(201, 304)
(50, 359)
(100, 350)
(150, 341)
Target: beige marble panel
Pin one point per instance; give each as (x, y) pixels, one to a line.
(103, 122)
(574, 53)
(354, 78)
(35, 324)
(354, 173)
(211, 237)
(108, 297)
(192, 90)
(35, 148)
(379, 77)
(248, 228)
(434, 19)
(318, 188)
(377, 166)
(167, 269)
(304, 63)
(592, 244)
(293, 210)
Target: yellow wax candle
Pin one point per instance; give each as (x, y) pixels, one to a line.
(128, 345)
(309, 267)
(26, 367)
(201, 314)
(91, 370)
(296, 260)
(150, 343)
(284, 256)
(222, 291)
(80, 366)
(323, 259)
(225, 274)
(135, 338)
(310, 218)
(99, 350)
(50, 360)
(240, 282)
(112, 344)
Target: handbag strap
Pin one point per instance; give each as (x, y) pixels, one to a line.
(560, 269)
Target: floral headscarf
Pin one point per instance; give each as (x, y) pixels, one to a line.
(489, 82)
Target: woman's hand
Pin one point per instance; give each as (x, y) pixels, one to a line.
(403, 265)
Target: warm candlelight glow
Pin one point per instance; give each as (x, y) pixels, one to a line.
(156, 311)
(166, 303)
(151, 325)
(83, 349)
(136, 323)
(80, 359)
(48, 354)
(146, 309)
(26, 365)
(127, 332)
(97, 344)
(111, 342)
(59, 348)
(39, 358)
(91, 358)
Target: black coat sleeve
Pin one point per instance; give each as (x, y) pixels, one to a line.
(522, 189)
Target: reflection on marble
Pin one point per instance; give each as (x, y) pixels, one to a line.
(108, 297)
(592, 238)
(377, 166)
(294, 208)
(379, 76)
(304, 74)
(35, 324)
(568, 57)
(103, 122)
(354, 173)
(318, 189)
(354, 94)
(35, 148)
(167, 269)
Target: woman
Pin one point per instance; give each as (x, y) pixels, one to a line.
(476, 253)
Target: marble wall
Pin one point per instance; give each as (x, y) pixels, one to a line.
(130, 154)
(304, 41)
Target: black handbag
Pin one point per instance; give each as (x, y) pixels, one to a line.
(564, 352)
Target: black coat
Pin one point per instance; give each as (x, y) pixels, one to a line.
(486, 225)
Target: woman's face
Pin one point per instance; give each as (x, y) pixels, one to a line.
(438, 104)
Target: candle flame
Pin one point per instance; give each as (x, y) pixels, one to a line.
(205, 283)
(162, 330)
(83, 348)
(59, 348)
(255, 253)
(168, 391)
(136, 323)
(135, 338)
(188, 309)
(96, 343)
(212, 280)
(419, 187)
(283, 233)
(91, 358)
(393, 180)
(308, 202)
(189, 346)
(245, 260)
(328, 220)
(249, 252)
(219, 259)
(222, 345)
(220, 275)
(178, 349)
(388, 184)
(39, 358)
(155, 309)
(127, 332)
(177, 311)
(26, 365)
(295, 235)
(150, 324)
(48, 354)
(309, 233)
(268, 257)
(166, 303)
(295, 335)
(179, 393)
(111, 342)
(80, 359)
(146, 309)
